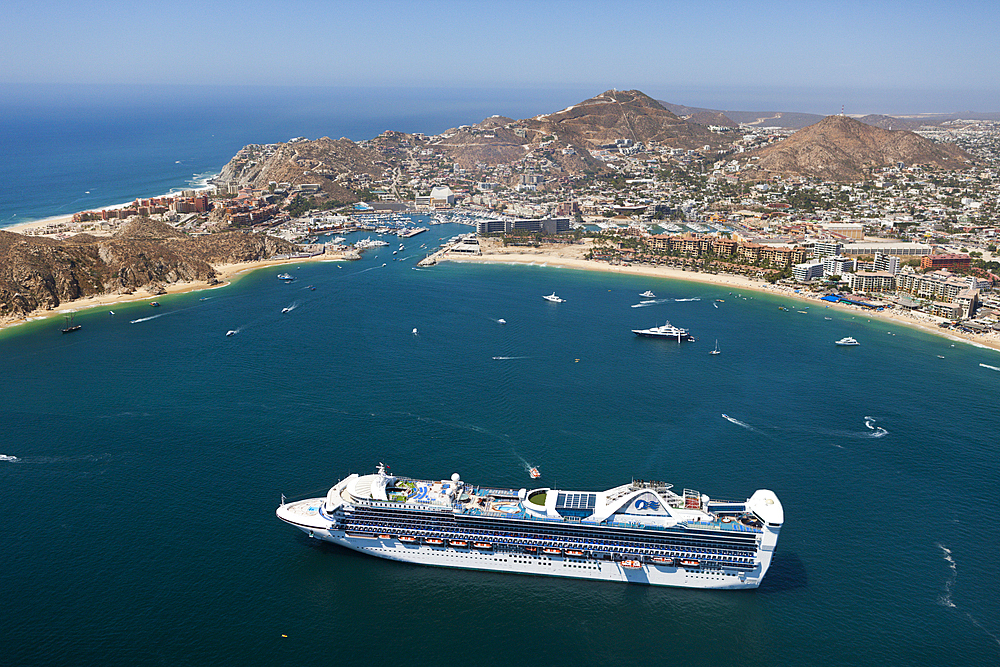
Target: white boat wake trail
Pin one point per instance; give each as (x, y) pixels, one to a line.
(878, 430)
(693, 299)
(992, 368)
(949, 584)
(146, 319)
(649, 302)
(506, 358)
(739, 423)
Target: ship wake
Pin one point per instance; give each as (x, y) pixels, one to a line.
(945, 599)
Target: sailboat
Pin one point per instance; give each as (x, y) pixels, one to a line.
(716, 350)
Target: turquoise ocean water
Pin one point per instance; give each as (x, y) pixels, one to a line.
(152, 450)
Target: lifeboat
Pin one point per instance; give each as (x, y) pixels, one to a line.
(631, 564)
(407, 538)
(436, 541)
(688, 562)
(552, 551)
(385, 536)
(458, 543)
(531, 550)
(574, 552)
(660, 560)
(482, 545)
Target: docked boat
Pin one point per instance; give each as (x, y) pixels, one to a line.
(609, 535)
(648, 294)
(846, 341)
(553, 298)
(665, 331)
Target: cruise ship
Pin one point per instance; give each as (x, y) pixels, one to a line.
(641, 532)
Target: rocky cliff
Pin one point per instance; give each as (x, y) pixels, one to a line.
(41, 273)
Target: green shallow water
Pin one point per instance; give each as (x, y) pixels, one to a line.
(139, 518)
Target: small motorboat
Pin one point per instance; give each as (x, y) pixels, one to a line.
(553, 298)
(154, 304)
(286, 310)
(648, 294)
(414, 331)
(846, 341)
(533, 472)
(501, 321)
(231, 332)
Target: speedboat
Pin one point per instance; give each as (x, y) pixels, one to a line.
(501, 321)
(553, 298)
(846, 341)
(154, 304)
(285, 276)
(231, 332)
(648, 294)
(286, 310)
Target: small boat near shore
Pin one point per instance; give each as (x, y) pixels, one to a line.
(846, 342)
(648, 294)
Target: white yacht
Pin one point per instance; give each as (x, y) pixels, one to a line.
(667, 330)
(553, 298)
(846, 341)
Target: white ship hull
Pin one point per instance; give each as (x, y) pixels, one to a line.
(639, 533)
(550, 566)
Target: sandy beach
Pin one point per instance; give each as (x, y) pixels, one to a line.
(227, 273)
(572, 257)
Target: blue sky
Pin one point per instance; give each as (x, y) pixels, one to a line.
(870, 56)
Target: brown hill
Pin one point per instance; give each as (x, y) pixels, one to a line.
(623, 114)
(845, 150)
(39, 272)
(707, 118)
(889, 122)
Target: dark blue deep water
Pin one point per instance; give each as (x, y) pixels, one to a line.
(152, 450)
(139, 516)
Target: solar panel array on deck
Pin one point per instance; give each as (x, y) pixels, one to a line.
(576, 501)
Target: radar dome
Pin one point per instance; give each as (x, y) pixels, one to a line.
(455, 477)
